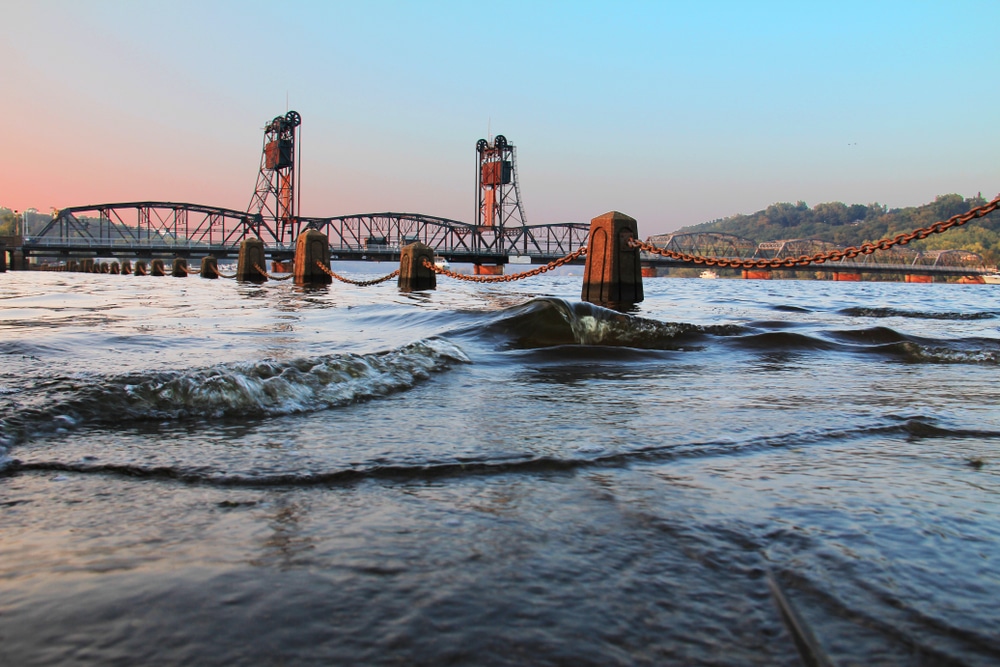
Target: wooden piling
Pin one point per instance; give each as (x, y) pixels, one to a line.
(413, 275)
(209, 267)
(251, 256)
(613, 275)
(311, 247)
(179, 269)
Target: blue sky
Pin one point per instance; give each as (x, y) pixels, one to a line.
(673, 112)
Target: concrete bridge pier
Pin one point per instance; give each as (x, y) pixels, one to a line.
(157, 269)
(413, 275)
(3, 258)
(126, 267)
(17, 260)
(140, 268)
(613, 274)
(486, 269)
(179, 269)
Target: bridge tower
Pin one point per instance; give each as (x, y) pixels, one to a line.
(498, 197)
(274, 207)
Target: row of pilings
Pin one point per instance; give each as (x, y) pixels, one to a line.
(612, 274)
(156, 267)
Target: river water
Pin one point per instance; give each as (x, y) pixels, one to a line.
(205, 472)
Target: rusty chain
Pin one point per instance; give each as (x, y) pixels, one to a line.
(220, 274)
(264, 273)
(359, 283)
(512, 277)
(821, 257)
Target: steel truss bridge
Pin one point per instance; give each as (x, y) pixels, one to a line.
(897, 260)
(144, 229)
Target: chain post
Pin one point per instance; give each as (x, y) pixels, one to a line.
(413, 272)
(613, 274)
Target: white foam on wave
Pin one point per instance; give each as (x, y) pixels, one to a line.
(274, 388)
(249, 389)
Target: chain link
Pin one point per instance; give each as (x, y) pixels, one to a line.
(264, 273)
(220, 274)
(512, 277)
(359, 283)
(821, 257)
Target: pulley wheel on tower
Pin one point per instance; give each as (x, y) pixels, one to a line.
(500, 141)
(293, 118)
(481, 145)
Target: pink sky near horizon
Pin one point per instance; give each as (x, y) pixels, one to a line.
(673, 114)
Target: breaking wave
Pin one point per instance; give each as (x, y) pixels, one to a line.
(550, 322)
(234, 390)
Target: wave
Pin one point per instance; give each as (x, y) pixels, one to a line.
(551, 322)
(233, 390)
(868, 311)
(909, 427)
(916, 349)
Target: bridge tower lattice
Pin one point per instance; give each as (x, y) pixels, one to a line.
(274, 207)
(498, 196)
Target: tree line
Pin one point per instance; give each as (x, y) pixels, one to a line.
(854, 224)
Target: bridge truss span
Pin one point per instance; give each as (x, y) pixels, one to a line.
(146, 227)
(706, 244)
(150, 227)
(374, 235)
(792, 248)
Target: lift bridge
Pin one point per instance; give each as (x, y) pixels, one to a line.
(499, 234)
(149, 228)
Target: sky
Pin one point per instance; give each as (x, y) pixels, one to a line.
(674, 113)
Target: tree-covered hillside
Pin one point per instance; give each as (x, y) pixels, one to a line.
(854, 224)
